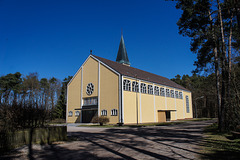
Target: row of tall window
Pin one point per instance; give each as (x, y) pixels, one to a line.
(148, 89)
(114, 112)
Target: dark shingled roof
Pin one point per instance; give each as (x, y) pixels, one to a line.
(140, 74)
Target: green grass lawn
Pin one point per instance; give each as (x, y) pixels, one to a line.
(219, 146)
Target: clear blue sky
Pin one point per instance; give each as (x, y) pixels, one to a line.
(54, 37)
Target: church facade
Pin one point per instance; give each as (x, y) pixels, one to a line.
(124, 94)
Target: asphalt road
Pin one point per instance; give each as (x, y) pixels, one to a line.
(180, 141)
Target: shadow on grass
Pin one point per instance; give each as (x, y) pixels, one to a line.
(220, 146)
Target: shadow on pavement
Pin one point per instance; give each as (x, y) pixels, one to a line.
(160, 142)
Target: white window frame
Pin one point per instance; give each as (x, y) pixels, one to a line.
(114, 112)
(90, 101)
(89, 89)
(180, 95)
(162, 91)
(150, 89)
(70, 114)
(156, 90)
(176, 94)
(172, 93)
(104, 112)
(126, 85)
(77, 113)
(167, 92)
(135, 86)
(143, 88)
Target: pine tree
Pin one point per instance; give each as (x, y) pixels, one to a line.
(213, 27)
(60, 109)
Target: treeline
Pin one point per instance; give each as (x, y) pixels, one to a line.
(214, 29)
(27, 101)
(204, 95)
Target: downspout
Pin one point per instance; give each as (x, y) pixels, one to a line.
(121, 101)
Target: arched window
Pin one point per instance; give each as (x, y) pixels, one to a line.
(143, 88)
(156, 90)
(176, 94)
(162, 90)
(70, 114)
(113, 112)
(126, 85)
(187, 104)
(104, 112)
(167, 93)
(180, 95)
(172, 93)
(77, 113)
(150, 89)
(135, 86)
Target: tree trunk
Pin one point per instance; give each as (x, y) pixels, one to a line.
(216, 64)
(229, 54)
(224, 69)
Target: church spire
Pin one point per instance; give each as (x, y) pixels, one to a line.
(122, 56)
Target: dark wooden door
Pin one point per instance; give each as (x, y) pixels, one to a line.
(87, 115)
(168, 116)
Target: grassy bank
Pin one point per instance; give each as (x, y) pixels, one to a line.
(218, 145)
(46, 135)
(133, 125)
(146, 124)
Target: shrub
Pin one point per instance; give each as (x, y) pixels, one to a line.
(101, 120)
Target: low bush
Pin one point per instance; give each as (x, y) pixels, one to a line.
(101, 120)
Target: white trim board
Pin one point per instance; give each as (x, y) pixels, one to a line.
(99, 74)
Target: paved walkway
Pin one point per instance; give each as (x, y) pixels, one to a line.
(162, 142)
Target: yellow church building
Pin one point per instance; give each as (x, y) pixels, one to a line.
(124, 94)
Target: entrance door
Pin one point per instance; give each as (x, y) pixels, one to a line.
(168, 116)
(161, 116)
(87, 115)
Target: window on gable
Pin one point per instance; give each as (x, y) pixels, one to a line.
(104, 112)
(70, 114)
(143, 88)
(90, 101)
(135, 86)
(167, 93)
(187, 104)
(156, 90)
(180, 95)
(150, 89)
(126, 85)
(176, 94)
(114, 112)
(77, 113)
(172, 93)
(162, 91)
